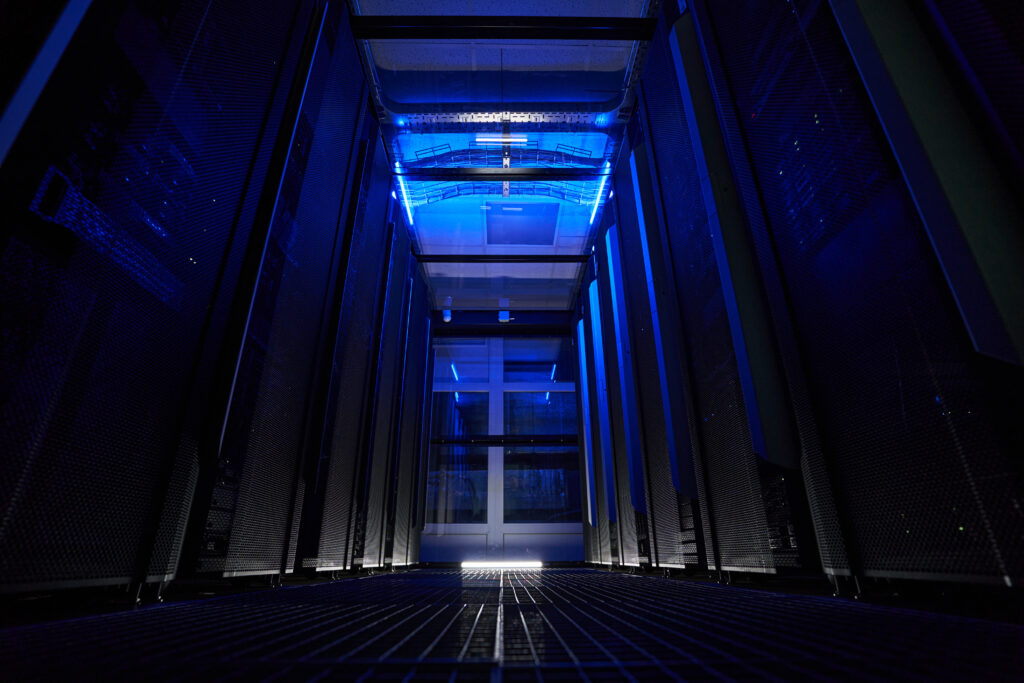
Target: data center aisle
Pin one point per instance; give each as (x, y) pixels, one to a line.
(538, 625)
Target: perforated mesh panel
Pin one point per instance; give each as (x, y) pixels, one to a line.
(627, 550)
(380, 483)
(257, 488)
(354, 365)
(601, 547)
(127, 198)
(728, 476)
(662, 503)
(989, 35)
(410, 443)
(899, 401)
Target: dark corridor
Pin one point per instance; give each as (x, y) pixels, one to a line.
(703, 318)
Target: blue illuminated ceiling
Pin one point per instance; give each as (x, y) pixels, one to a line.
(455, 106)
(557, 149)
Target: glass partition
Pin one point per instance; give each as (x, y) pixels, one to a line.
(486, 488)
(459, 414)
(540, 412)
(457, 485)
(461, 361)
(541, 485)
(538, 360)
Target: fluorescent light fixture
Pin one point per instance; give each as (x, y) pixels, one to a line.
(555, 365)
(504, 564)
(600, 193)
(405, 193)
(501, 138)
(511, 208)
(454, 372)
(547, 396)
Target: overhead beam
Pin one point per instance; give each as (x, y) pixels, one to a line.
(501, 330)
(501, 258)
(493, 173)
(385, 27)
(509, 440)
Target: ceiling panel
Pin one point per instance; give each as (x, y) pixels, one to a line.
(540, 8)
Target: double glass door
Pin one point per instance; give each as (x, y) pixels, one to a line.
(503, 477)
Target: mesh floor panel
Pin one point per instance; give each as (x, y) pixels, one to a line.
(538, 625)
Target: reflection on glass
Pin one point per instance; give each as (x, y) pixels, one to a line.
(457, 485)
(541, 412)
(542, 485)
(460, 360)
(538, 360)
(490, 286)
(459, 414)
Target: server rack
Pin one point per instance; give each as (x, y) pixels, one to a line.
(250, 499)
(894, 383)
(131, 197)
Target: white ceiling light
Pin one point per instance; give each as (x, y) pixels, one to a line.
(504, 564)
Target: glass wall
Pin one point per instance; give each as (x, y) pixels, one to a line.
(542, 484)
(457, 485)
(489, 494)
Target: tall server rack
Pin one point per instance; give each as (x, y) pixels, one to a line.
(132, 192)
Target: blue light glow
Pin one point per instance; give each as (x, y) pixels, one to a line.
(553, 371)
(405, 192)
(456, 397)
(501, 139)
(454, 372)
(547, 395)
(600, 192)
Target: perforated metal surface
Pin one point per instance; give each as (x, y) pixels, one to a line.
(666, 543)
(988, 35)
(625, 529)
(254, 504)
(354, 367)
(600, 548)
(728, 476)
(546, 624)
(905, 411)
(380, 484)
(410, 442)
(126, 198)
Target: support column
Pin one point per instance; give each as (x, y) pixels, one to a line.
(495, 454)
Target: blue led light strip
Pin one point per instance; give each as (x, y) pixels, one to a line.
(600, 193)
(588, 444)
(652, 300)
(405, 192)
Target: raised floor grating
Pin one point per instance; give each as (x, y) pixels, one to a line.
(552, 624)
